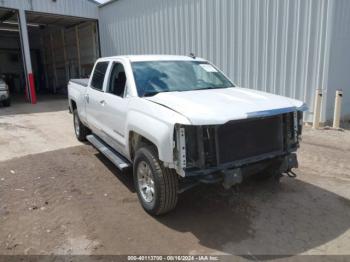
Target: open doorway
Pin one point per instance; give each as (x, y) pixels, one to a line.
(61, 48)
(11, 59)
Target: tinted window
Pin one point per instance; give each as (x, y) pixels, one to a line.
(118, 80)
(99, 75)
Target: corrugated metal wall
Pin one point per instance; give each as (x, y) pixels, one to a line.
(339, 66)
(279, 46)
(80, 8)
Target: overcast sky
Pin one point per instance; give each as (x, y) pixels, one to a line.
(102, 1)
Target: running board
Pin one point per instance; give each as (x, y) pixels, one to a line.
(119, 161)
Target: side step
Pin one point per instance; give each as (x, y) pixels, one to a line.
(119, 161)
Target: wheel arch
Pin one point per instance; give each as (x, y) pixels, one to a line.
(136, 141)
(153, 131)
(72, 105)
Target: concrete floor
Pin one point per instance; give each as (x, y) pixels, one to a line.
(59, 196)
(30, 129)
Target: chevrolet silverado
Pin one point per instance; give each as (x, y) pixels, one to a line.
(178, 121)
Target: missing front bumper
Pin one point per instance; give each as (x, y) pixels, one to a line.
(230, 177)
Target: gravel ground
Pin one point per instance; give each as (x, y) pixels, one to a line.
(58, 196)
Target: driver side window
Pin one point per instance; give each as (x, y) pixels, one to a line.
(117, 82)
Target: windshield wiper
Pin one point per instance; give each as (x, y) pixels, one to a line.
(150, 93)
(153, 93)
(210, 87)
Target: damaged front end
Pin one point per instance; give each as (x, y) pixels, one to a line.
(230, 152)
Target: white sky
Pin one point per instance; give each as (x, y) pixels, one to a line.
(102, 1)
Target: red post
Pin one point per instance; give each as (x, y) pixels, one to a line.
(32, 88)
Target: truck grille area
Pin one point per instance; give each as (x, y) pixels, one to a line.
(241, 140)
(238, 140)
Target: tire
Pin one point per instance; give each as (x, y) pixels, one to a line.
(164, 182)
(7, 102)
(80, 130)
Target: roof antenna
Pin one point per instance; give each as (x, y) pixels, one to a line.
(192, 55)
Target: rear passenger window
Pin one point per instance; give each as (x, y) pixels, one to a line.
(99, 75)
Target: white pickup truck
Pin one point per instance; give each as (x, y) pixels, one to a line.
(179, 121)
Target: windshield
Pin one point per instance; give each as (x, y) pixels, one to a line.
(154, 77)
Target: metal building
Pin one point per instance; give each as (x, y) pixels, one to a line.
(288, 47)
(43, 43)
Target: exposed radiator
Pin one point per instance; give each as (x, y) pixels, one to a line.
(237, 140)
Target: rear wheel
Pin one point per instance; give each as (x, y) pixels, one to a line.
(156, 186)
(6, 102)
(81, 131)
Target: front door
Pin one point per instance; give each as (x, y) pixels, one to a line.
(116, 105)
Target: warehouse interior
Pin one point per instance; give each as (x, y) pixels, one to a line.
(61, 48)
(11, 65)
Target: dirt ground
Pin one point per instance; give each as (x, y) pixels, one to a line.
(58, 196)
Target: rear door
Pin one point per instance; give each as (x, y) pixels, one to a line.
(94, 98)
(116, 106)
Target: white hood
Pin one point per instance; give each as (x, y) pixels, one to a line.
(218, 106)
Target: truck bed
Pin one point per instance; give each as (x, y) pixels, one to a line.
(81, 81)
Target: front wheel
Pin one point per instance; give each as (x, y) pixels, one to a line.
(80, 130)
(156, 186)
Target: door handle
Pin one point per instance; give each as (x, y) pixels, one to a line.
(102, 102)
(87, 98)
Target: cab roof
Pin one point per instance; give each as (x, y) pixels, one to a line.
(144, 58)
